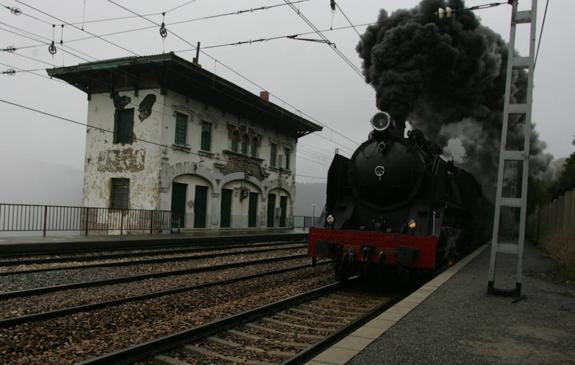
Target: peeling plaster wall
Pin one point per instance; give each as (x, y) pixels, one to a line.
(138, 161)
(152, 169)
(193, 161)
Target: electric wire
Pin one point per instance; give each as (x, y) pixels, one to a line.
(325, 39)
(181, 6)
(540, 35)
(80, 29)
(203, 52)
(224, 65)
(72, 121)
(349, 21)
(228, 67)
(273, 38)
(36, 37)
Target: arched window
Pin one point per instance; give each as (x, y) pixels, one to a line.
(245, 144)
(254, 151)
(235, 141)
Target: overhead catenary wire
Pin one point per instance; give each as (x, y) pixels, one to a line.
(227, 67)
(348, 20)
(540, 35)
(221, 63)
(38, 38)
(80, 29)
(72, 121)
(273, 38)
(323, 37)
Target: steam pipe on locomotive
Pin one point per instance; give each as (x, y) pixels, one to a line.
(397, 204)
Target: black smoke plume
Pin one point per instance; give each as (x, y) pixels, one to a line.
(446, 76)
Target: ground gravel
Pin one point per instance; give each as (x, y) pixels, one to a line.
(94, 260)
(70, 339)
(16, 307)
(460, 324)
(60, 277)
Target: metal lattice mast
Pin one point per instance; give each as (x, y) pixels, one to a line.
(511, 195)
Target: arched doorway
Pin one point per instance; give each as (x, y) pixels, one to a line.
(279, 208)
(191, 196)
(240, 204)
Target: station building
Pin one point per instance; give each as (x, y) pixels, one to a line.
(165, 134)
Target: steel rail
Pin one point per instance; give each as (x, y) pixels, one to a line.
(152, 252)
(165, 343)
(93, 306)
(316, 349)
(147, 261)
(127, 279)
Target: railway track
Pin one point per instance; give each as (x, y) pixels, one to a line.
(133, 278)
(72, 337)
(289, 331)
(51, 265)
(33, 317)
(29, 259)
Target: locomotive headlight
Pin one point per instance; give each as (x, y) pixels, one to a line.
(381, 121)
(412, 224)
(330, 219)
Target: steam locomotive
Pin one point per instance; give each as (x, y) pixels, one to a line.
(397, 205)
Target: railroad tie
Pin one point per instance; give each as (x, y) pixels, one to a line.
(265, 329)
(292, 325)
(167, 360)
(252, 337)
(335, 325)
(210, 353)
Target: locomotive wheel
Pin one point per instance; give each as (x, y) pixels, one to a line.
(343, 267)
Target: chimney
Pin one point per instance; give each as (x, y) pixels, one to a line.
(265, 95)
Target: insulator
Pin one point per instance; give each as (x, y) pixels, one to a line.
(10, 49)
(163, 31)
(332, 5)
(15, 11)
(9, 72)
(52, 48)
(448, 12)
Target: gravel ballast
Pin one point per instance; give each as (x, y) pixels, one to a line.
(60, 277)
(84, 335)
(15, 307)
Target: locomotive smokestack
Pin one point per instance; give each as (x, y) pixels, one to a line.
(447, 77)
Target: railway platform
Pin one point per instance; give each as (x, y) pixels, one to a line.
(77, 242)
(452, 320)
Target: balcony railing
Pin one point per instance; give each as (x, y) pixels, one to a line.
(51, 218)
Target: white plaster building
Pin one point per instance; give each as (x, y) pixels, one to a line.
(169, 135)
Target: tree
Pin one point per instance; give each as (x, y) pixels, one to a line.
(566, 180)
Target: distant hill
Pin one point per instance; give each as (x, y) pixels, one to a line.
(39, 182)
(308, 195)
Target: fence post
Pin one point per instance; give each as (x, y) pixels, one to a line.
(87, 212)
(122, 223)
(152, 221)
(45, 220)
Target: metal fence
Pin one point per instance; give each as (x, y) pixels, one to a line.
(553, 227)
(46, 218)
(305, 222)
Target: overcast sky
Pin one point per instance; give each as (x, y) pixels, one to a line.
(308, 75)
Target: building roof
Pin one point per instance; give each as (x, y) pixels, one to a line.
(170, 72)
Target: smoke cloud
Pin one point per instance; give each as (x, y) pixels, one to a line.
(447, 78)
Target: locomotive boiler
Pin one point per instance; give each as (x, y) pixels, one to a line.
(397, 204)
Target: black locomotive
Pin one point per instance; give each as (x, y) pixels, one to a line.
(398, 203)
